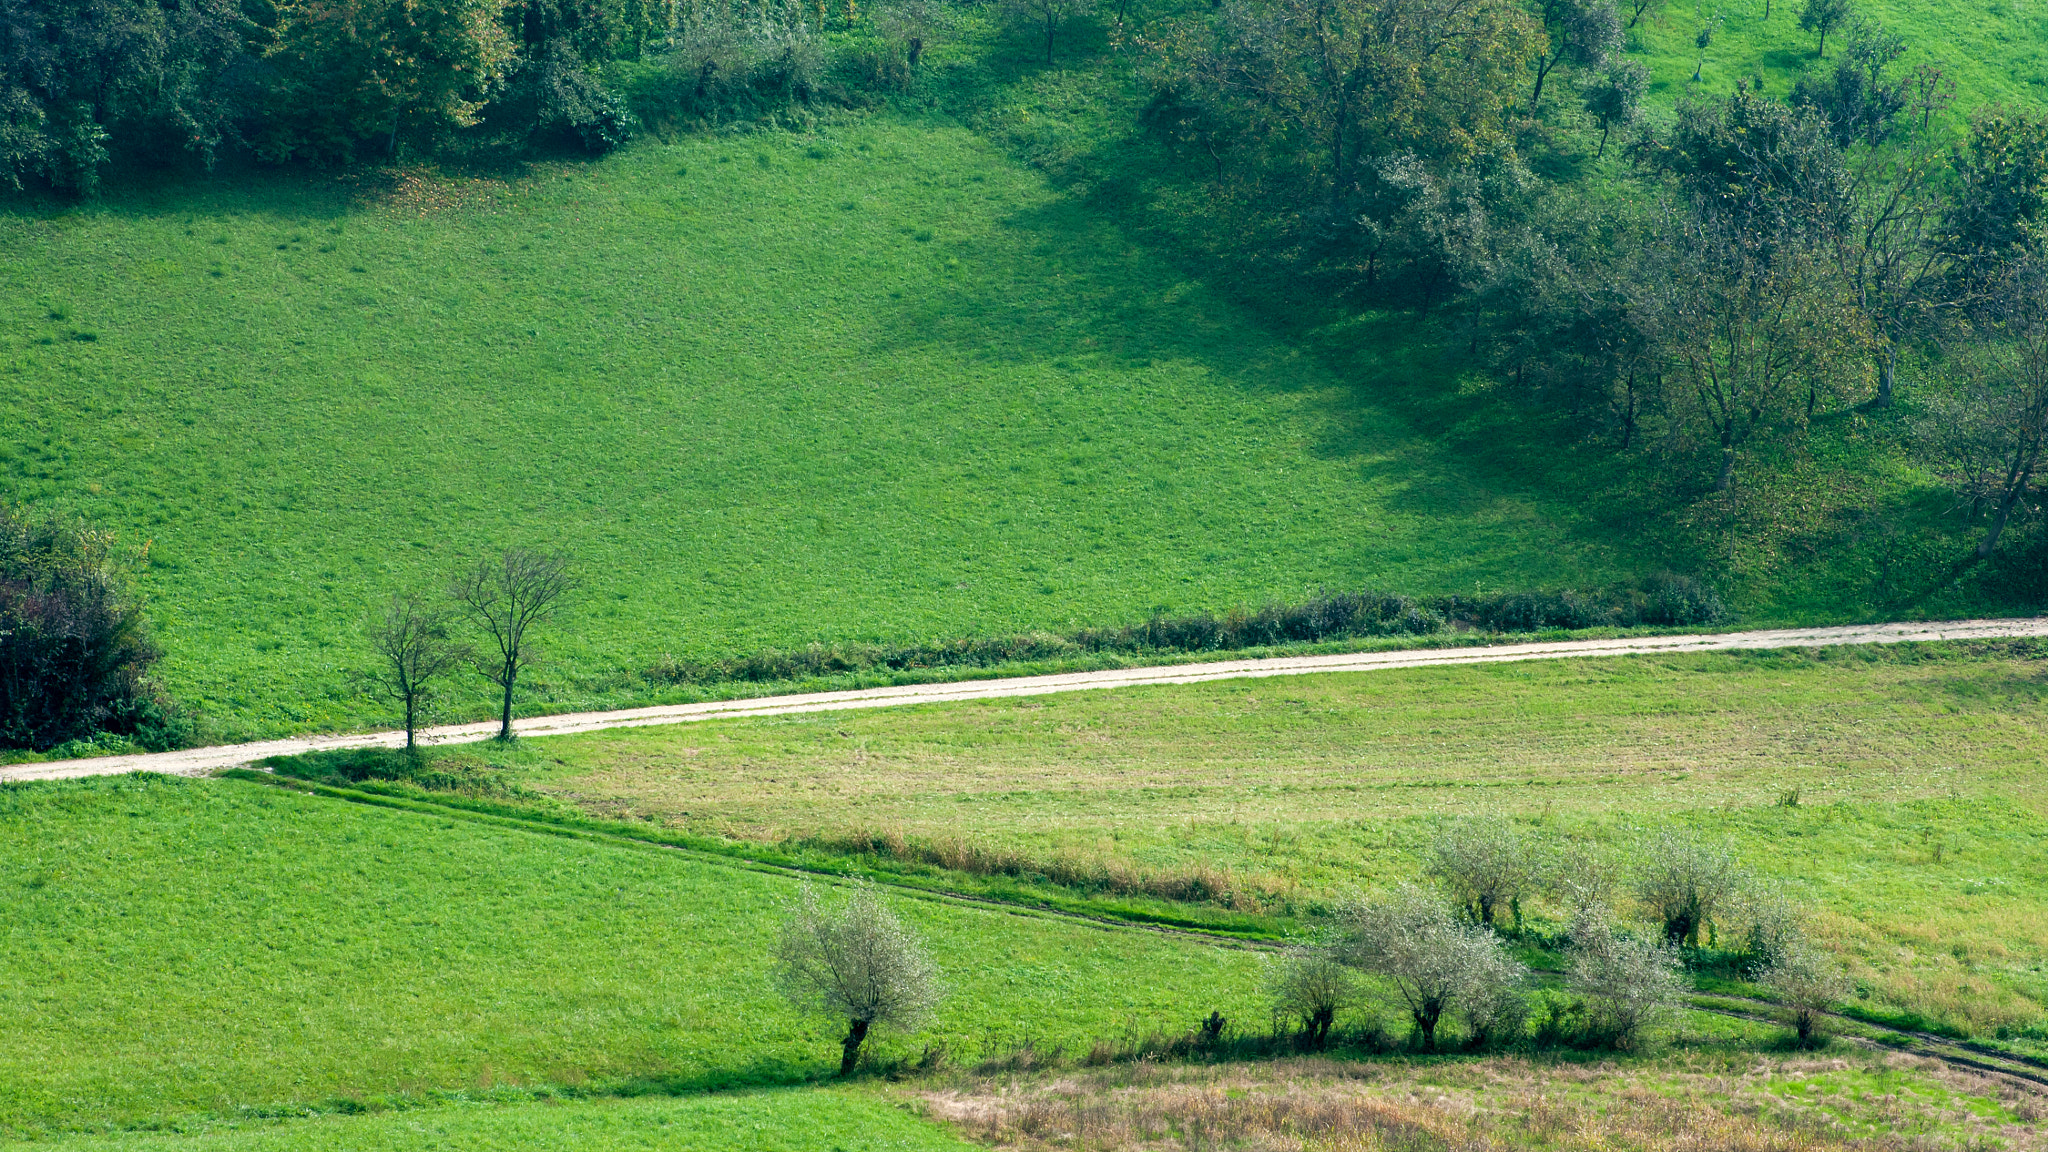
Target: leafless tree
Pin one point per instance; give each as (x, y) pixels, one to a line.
(1484, 864)
(417, 650)
(1807, 981)
(1628, 984)
(1685, 884)
(1432, 956)
(507, 596)
(856, 962)
(1310, 984)
(1046, 16)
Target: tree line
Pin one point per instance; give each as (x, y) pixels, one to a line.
(1436, 952)
(86, 83)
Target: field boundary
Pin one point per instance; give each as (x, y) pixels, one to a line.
(200, 761)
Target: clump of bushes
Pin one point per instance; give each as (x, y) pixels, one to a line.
(1669, 601)
(75, 650)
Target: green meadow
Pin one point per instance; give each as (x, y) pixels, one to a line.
(179, 949)
(874, 383)
(879, 380)
(1896, 790)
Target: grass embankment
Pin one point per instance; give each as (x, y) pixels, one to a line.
(876, 383)
(1897, 788)
(216, 947)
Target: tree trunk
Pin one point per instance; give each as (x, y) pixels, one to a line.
(411, 702)
(1048, 39)
(1604, 130)
(1542, 72)
(1727, 477)
(856, 1031)
(1998, 518)
(1887, 373)
(505, 717)
(916, 51)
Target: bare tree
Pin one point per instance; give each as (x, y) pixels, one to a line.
(1807, 981)
(1047, 16)
(1684, 884)
(506, 597)
(1311, 985)
(1629, 985)
(856, 962)
(1430, 954)
(417, 650)
(1484, 865)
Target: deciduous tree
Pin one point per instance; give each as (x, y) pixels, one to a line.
(415, 650)
(506, 597)
(858, 963)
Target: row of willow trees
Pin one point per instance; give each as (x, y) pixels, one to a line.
(1708, 281)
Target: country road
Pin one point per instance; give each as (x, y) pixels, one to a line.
(197, 761)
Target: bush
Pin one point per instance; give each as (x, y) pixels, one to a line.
(1626, 985)
(1685, 883)
(1434, 959)
(1807, 982)
(74, 649)
(1484, 864)
(1311, 985)
(856, 962)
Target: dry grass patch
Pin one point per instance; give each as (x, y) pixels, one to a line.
(1679, 1104)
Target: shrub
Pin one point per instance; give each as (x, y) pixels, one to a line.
(74, 648)
(1809, 983)
(1484, 864)
(1626, 985)
(1430, 954)
(1582, 879)
(1684, 883)
(1311, 985)
(856, 962)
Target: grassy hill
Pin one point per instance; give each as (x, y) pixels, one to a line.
(882, 380)
(874, 383)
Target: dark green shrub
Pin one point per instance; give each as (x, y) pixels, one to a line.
(74, 649)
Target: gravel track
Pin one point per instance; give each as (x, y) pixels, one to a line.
(199, 761)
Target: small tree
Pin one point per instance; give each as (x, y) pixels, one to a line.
(911, 23)
(1823, 17)
(1583, 34)
(1484, 865)
(1684, 883)
(1617, 100)
(1807, 981)
(1628, 985)
(1582, 879)
(1496, 1004)
(1046, 16)
(507, 596)
(1311, 985)
(1420, 945)
(857, 963)
(416, 649)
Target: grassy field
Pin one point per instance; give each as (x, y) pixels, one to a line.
(875, 383)
(227, 949)
(1897, 788)
(796, 1120)
(878, 381)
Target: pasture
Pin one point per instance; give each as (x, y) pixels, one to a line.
(1895, 788)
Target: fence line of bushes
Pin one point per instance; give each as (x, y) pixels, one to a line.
(1661, 601)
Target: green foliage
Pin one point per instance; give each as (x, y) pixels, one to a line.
(75, 651)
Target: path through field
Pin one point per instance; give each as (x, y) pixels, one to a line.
(197, 761)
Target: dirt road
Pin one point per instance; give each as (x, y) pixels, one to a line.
(197, 761)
